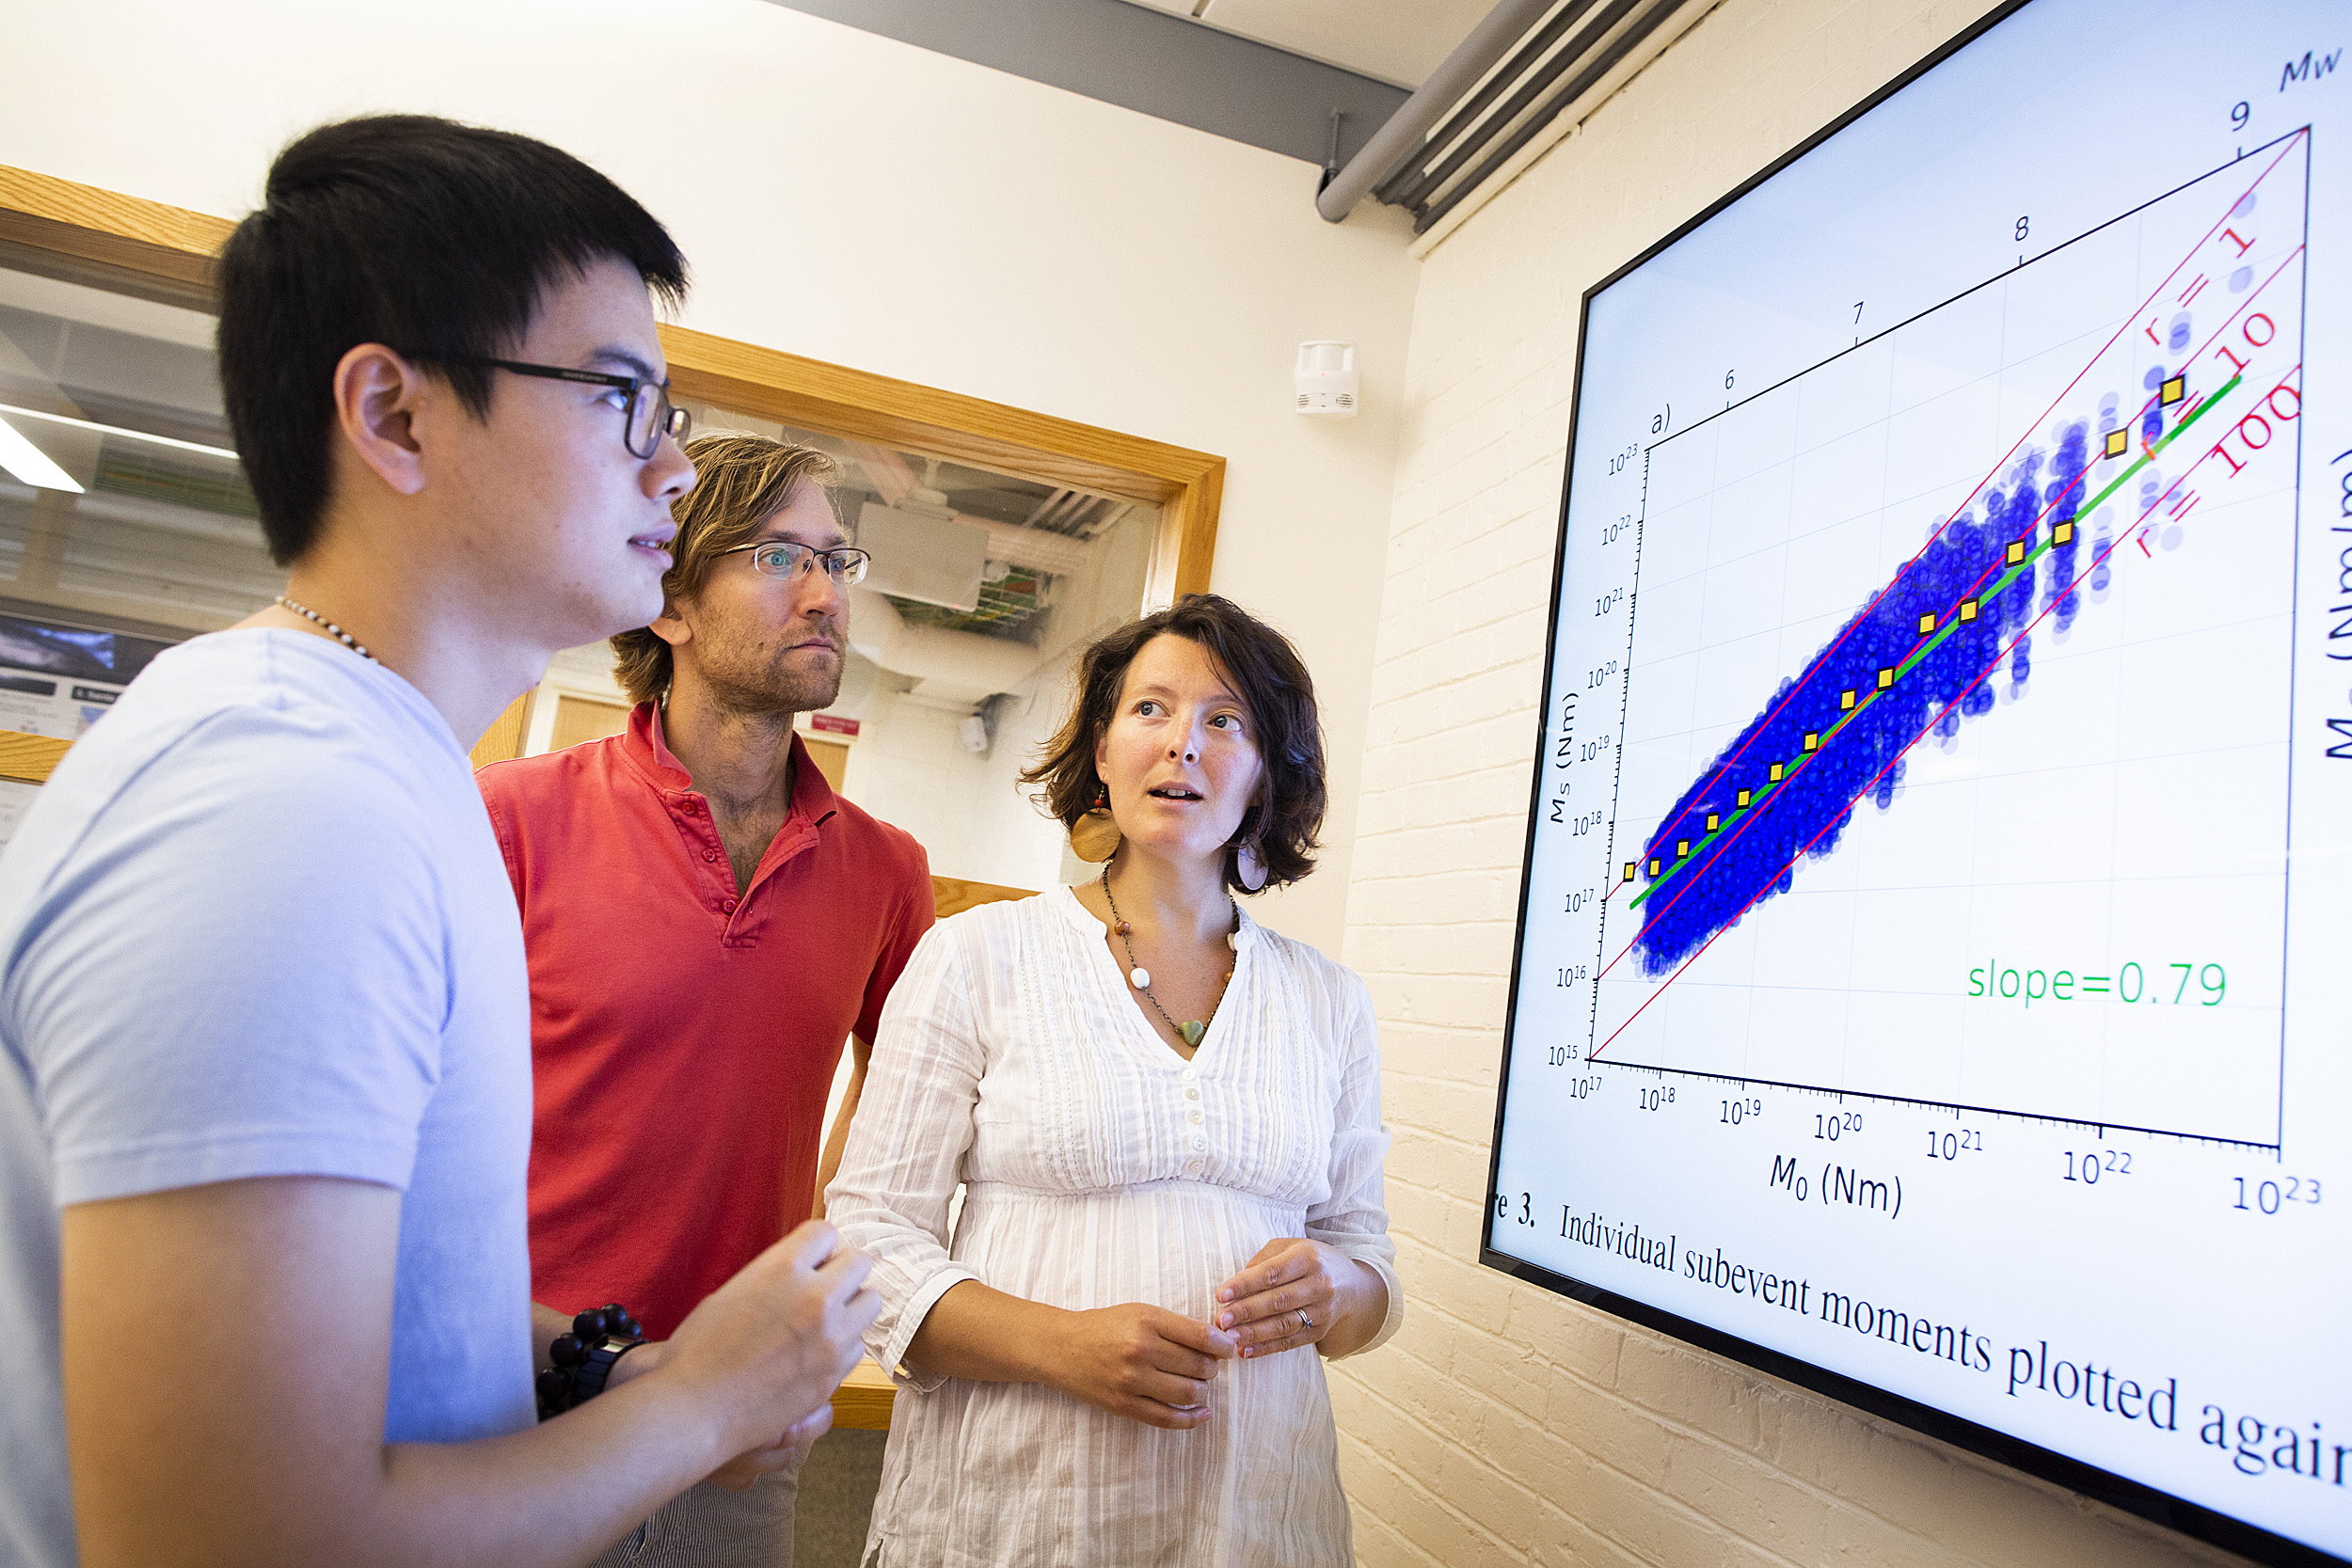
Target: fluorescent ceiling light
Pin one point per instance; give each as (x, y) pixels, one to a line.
(28, 462)
(117, 430)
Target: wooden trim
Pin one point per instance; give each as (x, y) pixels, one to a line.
(144, 246)
(503, 740)
(864, 1400)
(1187, 540)
(149, 248)
(953, 894)
(31, 758)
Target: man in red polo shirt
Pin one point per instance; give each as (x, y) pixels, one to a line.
(705, 923)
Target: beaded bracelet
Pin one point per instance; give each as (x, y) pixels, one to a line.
(584, 1359)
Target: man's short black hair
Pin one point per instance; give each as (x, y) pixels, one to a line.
(432, 238)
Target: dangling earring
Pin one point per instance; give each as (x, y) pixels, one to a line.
(1248, 866)
(1094, 837)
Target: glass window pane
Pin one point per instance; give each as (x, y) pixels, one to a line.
(124, 513)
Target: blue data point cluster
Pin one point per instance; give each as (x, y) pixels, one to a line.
(2063, 497)
(1920, 655)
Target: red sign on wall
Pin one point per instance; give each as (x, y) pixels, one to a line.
(832, 723)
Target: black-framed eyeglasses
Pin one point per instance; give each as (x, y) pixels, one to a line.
(651, 415)
(787, 559)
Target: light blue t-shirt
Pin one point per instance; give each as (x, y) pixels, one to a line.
(257, 924)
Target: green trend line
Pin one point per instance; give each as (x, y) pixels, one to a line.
(1951, 623)
(2149, 456)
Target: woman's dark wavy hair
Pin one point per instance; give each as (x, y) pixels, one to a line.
(1271, 681)
(435, 239)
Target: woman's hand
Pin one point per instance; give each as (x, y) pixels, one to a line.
(1298, 1292)
(1145, 1362)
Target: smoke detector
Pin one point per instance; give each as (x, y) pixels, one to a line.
(1326, 380)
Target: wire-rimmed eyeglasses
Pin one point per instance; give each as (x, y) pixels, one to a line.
(651, 415)
(787, 558)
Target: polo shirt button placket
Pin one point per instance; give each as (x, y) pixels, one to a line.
(726, 906)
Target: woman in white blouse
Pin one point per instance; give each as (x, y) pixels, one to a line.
(1167, 1121)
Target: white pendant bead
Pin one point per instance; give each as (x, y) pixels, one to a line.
(1232, 940)
(1139, 977)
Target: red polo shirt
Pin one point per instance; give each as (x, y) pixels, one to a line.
(684, 1038)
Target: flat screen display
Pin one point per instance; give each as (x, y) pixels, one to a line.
(1933, 980)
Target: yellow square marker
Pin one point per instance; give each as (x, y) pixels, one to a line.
(2118, 442)
(1653, 865)
(1715, 820)
(1743, 798)
(1776, 772)
(1967, 609)
(1844, 700)
(2174, 389)
(1812, 740)
(1682, 848)
(1927, 624)
(1631, 866)
(2063, 533)
(1886, 679)
(2016, 553)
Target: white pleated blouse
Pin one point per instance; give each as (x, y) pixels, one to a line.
(1101, 1168)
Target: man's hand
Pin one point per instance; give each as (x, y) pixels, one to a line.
(771, 1344)
(1297, 1292)
(1145, 1362)
(261, 1445)
(744, 1470)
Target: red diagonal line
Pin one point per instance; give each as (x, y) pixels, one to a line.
(2253, 294)
(1676, 821)
(2023, 632)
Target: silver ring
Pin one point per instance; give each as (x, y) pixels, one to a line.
(1305, 1322)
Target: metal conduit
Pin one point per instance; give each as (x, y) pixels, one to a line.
(1477, 54)
(1409, 165)
(1603, 64)
(1407, 173)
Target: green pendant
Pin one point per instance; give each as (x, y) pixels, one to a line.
(1192, 1029)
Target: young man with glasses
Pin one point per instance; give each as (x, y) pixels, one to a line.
(706, 923)
(264, 1070)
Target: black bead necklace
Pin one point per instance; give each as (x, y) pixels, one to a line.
(1192, 1028)
(329, 628)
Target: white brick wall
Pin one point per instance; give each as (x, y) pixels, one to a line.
(1506, 1424)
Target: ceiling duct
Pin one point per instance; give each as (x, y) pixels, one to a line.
(1056, 554)
(932, 558)
(1529, 62)
(1076, 513)
(962, 665)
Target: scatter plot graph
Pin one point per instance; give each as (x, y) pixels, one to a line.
(1939, 861)
(2022, 565)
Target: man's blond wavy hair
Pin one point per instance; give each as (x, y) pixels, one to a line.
(740, 482)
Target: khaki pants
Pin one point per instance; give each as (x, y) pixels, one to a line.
(709, 1527)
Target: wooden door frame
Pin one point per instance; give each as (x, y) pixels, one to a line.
(164, 252)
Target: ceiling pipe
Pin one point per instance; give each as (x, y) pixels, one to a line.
(1530, 73)
(1605, 61)
(1473, 108)
(1487, 42)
